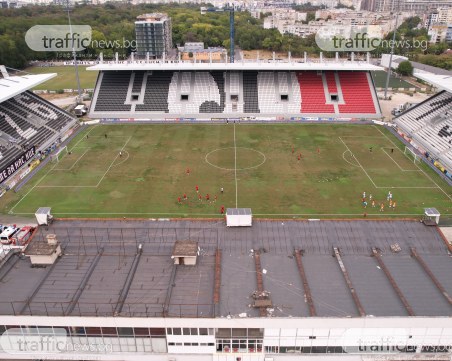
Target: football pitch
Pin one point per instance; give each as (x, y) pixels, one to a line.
(278, 170)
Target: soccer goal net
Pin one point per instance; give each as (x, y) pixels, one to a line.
(411, 154)
(55, 157)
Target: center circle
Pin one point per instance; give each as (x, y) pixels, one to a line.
(224, 158)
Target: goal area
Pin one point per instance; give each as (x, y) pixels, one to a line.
(55, 157)
(412, 154)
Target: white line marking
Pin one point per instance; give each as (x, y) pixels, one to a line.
(73, 165)
(397, 164)
(84, 136)
(256, 214)
(343, 157)
(206, 158)
(128, 155)
(448, 196)
(235, 170)
(368, 176)
(114, 160)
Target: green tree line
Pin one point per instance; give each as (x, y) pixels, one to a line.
(115, 22)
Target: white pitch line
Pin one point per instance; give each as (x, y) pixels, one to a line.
(397, 164)
(39, 181)
(357, 161)
(73, 165)
(343, 157)
(84, 136)
(235, 170)
(114, 160)
(256, 214)
(448, 196)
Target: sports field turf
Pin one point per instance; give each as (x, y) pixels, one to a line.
(66, 77)
(380, 80)
(253, 163)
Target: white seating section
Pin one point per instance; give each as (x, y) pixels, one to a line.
(28, 102)
(174, 104)
(430, 125)
(294, 103)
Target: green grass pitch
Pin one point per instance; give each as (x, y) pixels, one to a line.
(253, 163)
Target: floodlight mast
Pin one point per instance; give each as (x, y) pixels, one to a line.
(79, 98)
(231, 10)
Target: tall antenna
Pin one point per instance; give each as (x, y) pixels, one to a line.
(79, 98)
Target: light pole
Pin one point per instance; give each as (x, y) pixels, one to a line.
(390, 56)
(79, 98)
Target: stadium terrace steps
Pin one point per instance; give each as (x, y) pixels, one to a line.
(313, 93)
(429, 124)
(218, 76)
(156, 94)
(235, 93)
(331, 82)
(138, 81)
(250, 93)
(112, 93)
(356, 93)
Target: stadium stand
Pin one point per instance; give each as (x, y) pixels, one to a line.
(250, 93)
(429, 124)
(113, 93)
(28, 120)
(356, 93)
(333, 93)
(156, 94)
(313, 93)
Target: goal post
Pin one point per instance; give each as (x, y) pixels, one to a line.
(412, 154)
(55, 157)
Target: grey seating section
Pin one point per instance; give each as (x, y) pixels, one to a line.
(113, 92)
(7, 128)
(250, 93)
(137, 81)
(38, 107)
(156, 94)
(20, 122)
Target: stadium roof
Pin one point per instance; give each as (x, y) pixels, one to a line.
(102, 274)
(269, 65)
(13, 85)
(443, 82)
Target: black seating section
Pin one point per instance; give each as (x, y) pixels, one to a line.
(113, 92)
(446, 132)
(250, 93)
(210, 106)
(436, 105)
(218, 76)
(156, 94)
(138, 81)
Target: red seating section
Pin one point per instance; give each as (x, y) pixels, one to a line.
(312, 93)
(331, 82)
(356, 93)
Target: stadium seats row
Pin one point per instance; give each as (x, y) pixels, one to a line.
(269, 92)
(28, 120)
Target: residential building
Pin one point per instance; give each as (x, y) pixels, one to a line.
(153, 35)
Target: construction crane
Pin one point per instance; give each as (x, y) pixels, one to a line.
(205, 10)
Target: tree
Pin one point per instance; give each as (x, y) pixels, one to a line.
(405, 68)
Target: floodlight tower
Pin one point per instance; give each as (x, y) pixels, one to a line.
(79, 98)
(231, 10)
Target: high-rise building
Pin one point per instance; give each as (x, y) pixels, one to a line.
(153, 35)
